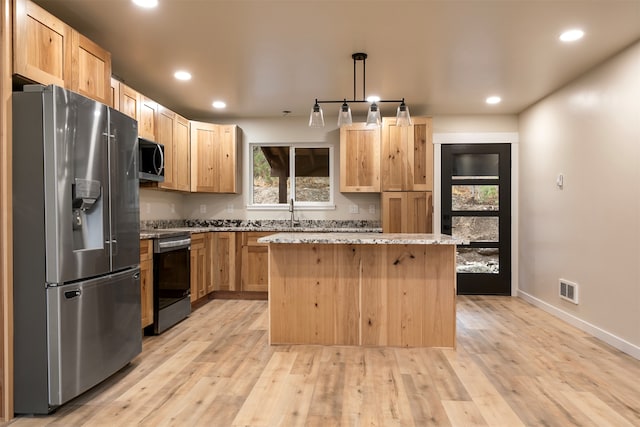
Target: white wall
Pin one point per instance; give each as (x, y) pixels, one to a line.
(589, 231)
(158, 204)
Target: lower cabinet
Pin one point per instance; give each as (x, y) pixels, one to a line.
(199, 266)
(407, 212)
(223, 261)
(146, 281)
(255, 262)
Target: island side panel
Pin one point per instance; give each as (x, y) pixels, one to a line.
(408, 296)
(313, 294)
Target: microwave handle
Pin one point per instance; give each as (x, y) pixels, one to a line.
(159, 168)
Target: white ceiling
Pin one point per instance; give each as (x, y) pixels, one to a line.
(263, 57)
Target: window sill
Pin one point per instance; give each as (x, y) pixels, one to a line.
(328, 207)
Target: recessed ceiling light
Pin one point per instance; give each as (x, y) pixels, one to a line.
(219, 104)
(182, 75)
(146, 3)
(571, 35)
(493, 100)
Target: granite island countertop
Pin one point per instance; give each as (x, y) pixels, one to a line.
(363, 239)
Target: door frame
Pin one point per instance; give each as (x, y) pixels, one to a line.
(511, 138)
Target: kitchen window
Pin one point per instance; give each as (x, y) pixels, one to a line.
(273, 165)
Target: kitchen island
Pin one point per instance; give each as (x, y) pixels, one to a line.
(368, 289)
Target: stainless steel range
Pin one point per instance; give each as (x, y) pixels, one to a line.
(171, 280)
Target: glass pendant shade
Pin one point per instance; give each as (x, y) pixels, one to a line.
(316, 120)
(402, 116)
(344, 116)
(373, 116)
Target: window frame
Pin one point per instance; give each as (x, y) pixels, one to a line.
(299, 205)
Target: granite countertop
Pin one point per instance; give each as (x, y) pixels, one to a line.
(363, 239)
(152, 230)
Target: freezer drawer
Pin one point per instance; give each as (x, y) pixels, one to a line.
(93, 331)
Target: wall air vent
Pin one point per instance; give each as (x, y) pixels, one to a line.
(569, 291)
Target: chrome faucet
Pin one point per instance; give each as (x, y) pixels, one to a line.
(292, 212)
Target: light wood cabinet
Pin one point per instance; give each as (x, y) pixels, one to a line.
(173, 134)
(407, 155)
(255, 262)
(182, 155)
(129, 102)
(199, 264)
(223, 254)
(41, 45)
(359, 158)
(115, 94)
(146, 281)
(91, 69)
(407, 212)
(214, 154)
(48, 51)
(147, 118)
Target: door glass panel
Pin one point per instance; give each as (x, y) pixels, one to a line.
(478, 260)
(468, 166)
(476, 228)
(474, 197)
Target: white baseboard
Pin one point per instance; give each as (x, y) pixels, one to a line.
(615, 341)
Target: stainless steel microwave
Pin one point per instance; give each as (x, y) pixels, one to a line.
(150, 160)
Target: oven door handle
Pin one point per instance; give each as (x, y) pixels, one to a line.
(173, 245)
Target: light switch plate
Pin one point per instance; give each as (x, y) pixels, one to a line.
(203, 208)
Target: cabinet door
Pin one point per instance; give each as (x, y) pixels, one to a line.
(224, 261)
(213, 158)
(419, 212)
(182, 155)
(407, 212)
(166, 136)
(91, 69)
(130, 102)
(394, 207)
(407, 155)
(420, 154)
(359, 158)
(115, 94)
(255, 262)
(146, 281)
(41, 45)
(147, 119)
(198, 266)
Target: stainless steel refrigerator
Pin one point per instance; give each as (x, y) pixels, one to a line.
(76, 245)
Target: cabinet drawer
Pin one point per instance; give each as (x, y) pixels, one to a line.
(250, 238)
(198, 240)
(146, 249)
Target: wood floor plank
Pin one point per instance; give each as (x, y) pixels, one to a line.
(514, 365)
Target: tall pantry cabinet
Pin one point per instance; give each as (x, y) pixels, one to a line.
(406, 165)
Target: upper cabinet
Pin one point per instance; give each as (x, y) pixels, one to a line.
(129, 102)
(407, 155)
(359, 158)
(91, 69)
(214, 155)
(41, 45)
(147, 118)
(48, 51)
(115, 94)
(172, 131)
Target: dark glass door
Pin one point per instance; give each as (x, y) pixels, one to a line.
(476, 206)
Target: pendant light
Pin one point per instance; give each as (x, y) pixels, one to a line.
(316, 120)
(402, 116)
(344, 116)
(373, 116)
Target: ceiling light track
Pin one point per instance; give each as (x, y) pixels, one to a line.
(316, 119)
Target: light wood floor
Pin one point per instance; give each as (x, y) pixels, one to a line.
(515, 365)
